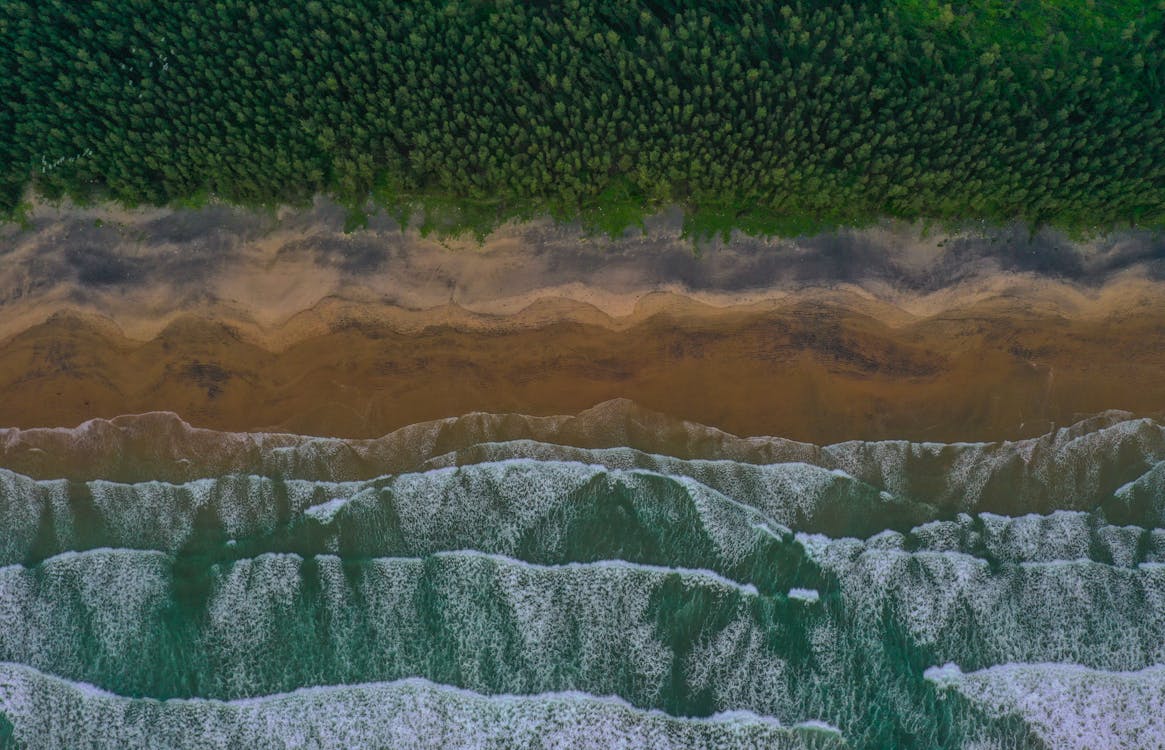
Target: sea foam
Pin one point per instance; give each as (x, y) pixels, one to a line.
(1069, 706)
(410, 713)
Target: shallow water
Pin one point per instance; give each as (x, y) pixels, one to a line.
(615, 579)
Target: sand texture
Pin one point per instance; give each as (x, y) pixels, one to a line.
(239, 321)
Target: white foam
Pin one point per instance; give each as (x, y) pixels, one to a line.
(48, 712)
(496, 506)
(1061, 610)
(508, 624)
(149, 515)
(1068, 467)
(789, 492)
(944, 677)
(705, 576)
(116, 595)
(24, 504)
(326, 511)
(1062, 535)
(1070, 707)
(809, 596)
(818, 726)
(716, 664)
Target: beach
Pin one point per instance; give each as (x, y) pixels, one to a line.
(243, 321)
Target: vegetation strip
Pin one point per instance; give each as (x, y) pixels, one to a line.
(769, 118)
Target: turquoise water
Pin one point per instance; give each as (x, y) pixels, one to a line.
(612, 580)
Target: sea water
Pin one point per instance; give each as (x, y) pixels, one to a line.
(606, 581)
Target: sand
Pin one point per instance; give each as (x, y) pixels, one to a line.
(240, 321)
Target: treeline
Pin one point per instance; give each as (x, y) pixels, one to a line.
(768, 117)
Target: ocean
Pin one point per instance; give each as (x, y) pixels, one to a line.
(613, 579)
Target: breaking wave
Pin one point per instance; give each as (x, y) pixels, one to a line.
(615, 578)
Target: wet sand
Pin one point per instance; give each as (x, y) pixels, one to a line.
(816, 372)
(240, 322)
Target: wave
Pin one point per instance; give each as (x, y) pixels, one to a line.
(162, 446)
(411, 713)
(706, 512)
(545, 512)
(129, 622)
(41, 518)
(209, 578)
(1070, 707)
(1078, 467)
(961, 608)
(140, 623)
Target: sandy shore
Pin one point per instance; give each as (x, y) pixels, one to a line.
(239, 321)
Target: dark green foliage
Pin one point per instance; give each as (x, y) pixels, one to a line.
(753, 115)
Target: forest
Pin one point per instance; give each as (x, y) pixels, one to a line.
(768, 117)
